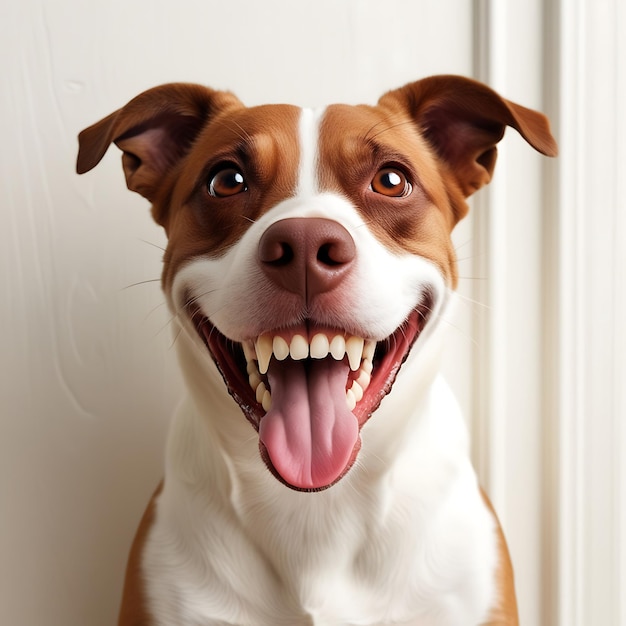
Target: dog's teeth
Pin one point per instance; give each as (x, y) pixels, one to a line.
(368, 350)
(248, 351)
(299, 348)
(350, 399)
(338, 347)
(281, 348)
(354, 350)
(260, 392)
(358, 351)
(357, 391)
(319, 346)
(367, 366)
(264, 352)
(254, 379)
(266, 402)
(251, 367)
(363, 380)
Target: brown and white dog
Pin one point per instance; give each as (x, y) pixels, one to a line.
(318, 473)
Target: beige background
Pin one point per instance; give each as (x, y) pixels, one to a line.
(89, 377)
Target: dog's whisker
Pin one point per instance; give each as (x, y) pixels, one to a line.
(472, 302)
(154, 245)
(390, 124)
(364, 224)
(239, 130)
(467, 242)
(142, 282)
(203, 294)
(180, 330)
(153, 310)
(367, 137)
(167, 324)
(391, 127)
(460, 331)
(470, 257)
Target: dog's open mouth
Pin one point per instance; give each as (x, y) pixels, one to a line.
(308, 390)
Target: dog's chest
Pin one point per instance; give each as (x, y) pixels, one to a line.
(349, 555)
(379, 579)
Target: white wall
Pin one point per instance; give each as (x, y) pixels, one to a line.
(88, 374)
(89, 378)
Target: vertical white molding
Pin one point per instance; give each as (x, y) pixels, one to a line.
(490, 233)
(619, 279)
(507, 214)
(553, 288)
(565, 311)
(590, 320)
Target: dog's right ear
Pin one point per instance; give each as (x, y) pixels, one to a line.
(154, 131)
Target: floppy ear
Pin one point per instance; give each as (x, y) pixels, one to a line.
(463, 120)
(154, 131)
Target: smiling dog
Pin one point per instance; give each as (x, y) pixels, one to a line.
(318, 472)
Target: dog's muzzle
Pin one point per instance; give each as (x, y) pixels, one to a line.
(308, 387)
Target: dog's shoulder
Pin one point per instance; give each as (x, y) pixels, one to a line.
(134, 608)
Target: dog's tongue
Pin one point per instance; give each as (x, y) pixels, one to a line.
(309, 432)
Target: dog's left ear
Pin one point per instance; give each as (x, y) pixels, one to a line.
(154, 131)
(463, 120)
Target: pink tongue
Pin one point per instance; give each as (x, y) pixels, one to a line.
(309, 433)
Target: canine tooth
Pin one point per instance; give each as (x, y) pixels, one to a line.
(266, 403)
(248, 351)
(281, 348)
(264, 352)
(350, 399)
(354, 350)
(367, 366)
(260, 392)
(299, 348)
(319, 346)
(338, 347)
(357, 391)
(251, 367)
(368, 350)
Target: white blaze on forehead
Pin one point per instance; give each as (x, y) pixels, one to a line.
(309, 151)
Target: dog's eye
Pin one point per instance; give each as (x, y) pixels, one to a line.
(228, 181)
(390, 181)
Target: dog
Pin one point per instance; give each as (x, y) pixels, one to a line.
(318, 472)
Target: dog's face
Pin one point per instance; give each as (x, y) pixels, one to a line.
(309, 250)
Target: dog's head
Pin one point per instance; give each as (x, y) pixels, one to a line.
(308, 250)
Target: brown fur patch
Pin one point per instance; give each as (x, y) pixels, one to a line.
(134, 609)
(504, 613)
(262, 142)
(356, 142)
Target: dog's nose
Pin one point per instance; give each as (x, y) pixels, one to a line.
(306, 256)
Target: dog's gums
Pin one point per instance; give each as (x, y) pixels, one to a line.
(308, 391)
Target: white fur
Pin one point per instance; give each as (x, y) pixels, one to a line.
(403, 538)
(309, 128)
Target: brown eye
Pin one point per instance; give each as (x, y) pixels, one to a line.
(228, 181)
(391, 182)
